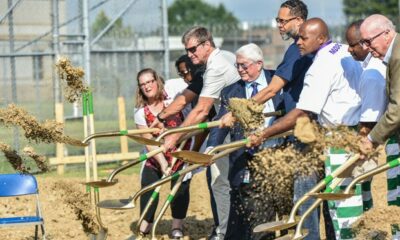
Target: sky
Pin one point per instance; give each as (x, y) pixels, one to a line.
(264, 11)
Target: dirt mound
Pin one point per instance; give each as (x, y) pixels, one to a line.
(375, 223)
(72, 80)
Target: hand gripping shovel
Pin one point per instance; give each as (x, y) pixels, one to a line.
(158, 141)
(121, 204)
(143, 157)
(348, 192)
(291, 221)
(299, 233)
(204, 159)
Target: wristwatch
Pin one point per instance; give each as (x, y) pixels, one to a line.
(160, 119)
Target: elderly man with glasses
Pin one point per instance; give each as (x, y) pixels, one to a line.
(378, 35)
(246, 211)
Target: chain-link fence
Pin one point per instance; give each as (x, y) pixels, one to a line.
(124, 36)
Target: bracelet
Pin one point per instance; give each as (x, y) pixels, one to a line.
(160, 119)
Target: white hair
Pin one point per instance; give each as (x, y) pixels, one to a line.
(378, 21)
(251, 51)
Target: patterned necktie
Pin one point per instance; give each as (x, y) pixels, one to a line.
(255, 91)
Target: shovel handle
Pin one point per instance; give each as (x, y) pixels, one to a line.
(139, 131)
(381, 168)
(204, 125)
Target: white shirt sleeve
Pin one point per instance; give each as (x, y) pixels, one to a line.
(373, 95)
(315, 90)
(214, 82)
(174, 87)
(139, 117)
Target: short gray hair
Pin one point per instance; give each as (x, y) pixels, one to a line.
(200, 33)
(251, 51)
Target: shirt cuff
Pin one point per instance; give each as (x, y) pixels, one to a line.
(370, 138)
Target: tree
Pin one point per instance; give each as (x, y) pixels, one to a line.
(117, 30)
(185, 13)
(356, 9)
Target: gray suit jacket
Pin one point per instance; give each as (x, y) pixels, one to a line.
(389, 124)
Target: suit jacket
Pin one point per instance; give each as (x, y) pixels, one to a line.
(389, 124)
(237, 159)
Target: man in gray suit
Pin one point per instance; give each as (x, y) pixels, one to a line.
(378, 35)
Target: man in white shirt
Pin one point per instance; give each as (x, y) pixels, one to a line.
(329, 91)
(219, 73)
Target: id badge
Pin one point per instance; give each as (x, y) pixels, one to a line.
(246, 176)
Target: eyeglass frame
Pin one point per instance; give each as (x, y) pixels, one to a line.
(243, 65)
(182, 74)
(142, 85)
(368, 42)
(283, 22)
(193, 49)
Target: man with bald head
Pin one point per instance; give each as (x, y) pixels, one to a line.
(329, 93)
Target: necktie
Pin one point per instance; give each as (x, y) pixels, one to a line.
(254, 91)
(253, 85)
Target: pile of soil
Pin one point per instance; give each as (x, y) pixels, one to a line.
(62, 221)
(71, 79)
(375, 223)
(49, 131)
(248, 112)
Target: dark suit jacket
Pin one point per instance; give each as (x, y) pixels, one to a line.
(389, 124)
(237, 159)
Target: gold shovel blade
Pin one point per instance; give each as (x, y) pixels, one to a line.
(193, 157)
(117, 204)
(274, 226)
(331, 196)
(145, 141)
(102, 183)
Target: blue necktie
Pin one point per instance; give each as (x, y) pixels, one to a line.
(253, 85)
(254, 91)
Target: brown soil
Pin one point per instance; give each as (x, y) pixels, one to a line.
(49, 131)
(39, 160)
(247, 112)
(274, 170)
(62, 199)
(72, 80)
(13, 158)
(375, 224)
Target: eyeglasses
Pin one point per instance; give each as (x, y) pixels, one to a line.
(142, 85)
(283, 22)
(183, 73)
(368, 42)
(194, 48)
(243, 65)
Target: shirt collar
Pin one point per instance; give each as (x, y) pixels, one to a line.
(389, 52)
(366, 60)
(260, 80)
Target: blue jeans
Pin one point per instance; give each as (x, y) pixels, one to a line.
(303, 184)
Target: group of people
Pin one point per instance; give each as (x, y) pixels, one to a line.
(353, 84)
